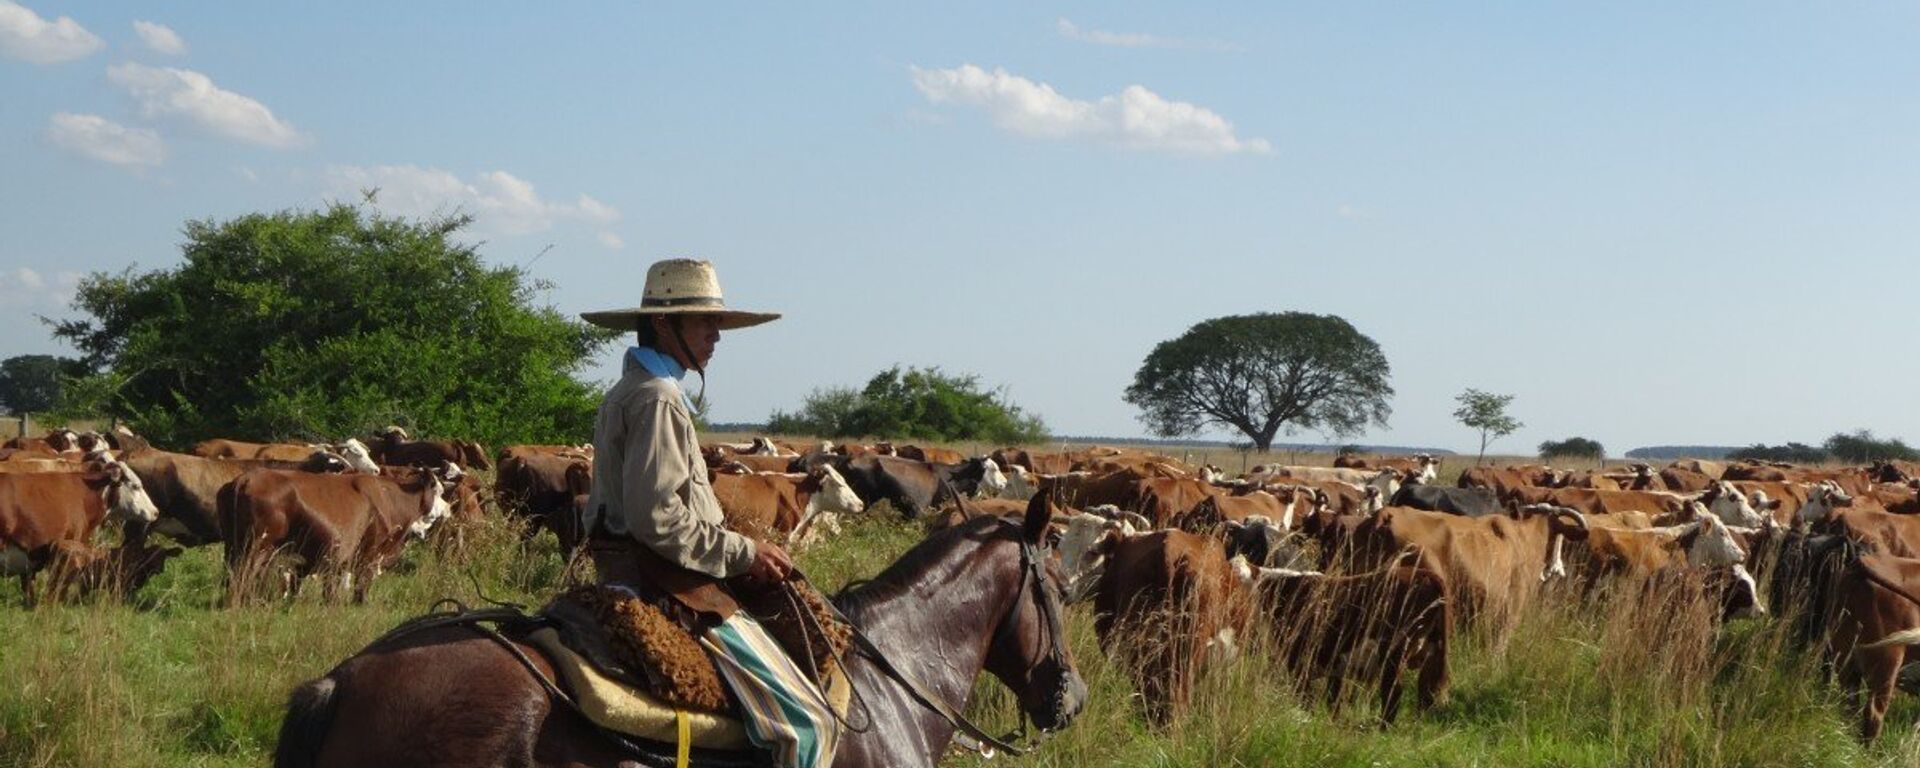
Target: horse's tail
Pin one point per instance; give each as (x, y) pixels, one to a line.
(309, 717)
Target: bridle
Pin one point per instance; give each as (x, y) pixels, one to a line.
(1032, 560)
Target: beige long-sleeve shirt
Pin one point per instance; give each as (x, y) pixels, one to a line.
(650, 483)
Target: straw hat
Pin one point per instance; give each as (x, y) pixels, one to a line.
(679, 287)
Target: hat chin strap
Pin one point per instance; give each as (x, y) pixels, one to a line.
(687, 352)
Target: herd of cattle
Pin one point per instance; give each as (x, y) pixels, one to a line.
(1361, 571)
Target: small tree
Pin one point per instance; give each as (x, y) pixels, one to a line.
(1486, 412)
(1261, 373)
(1575, 447)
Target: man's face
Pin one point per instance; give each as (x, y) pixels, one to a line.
(701, 333)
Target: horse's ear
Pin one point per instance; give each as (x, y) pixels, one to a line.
(1039, 518)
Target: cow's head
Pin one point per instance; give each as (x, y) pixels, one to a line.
(434, 493)
(1388, 481)
(1083, 550)
(126, 496)
(1261, 540)
(833, 498)
(358, 458)
(1020, 483)
(1725, 502)
(1710, 544)
(1822, 499)
(993, 482)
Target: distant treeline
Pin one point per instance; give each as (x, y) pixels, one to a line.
(1682, 452)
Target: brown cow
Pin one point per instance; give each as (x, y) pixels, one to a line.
(1849, 479)
(1160, 499)
(1682, 480)
(1165, 602)
(352, 524)
(38, 510)
(1879, 596)
(393, 448)
(786, 507)
(1593, 502)
(1861, 519)
(535, 488)
(1504, 479)
(1492, 564)
(1373, 625)
(1086, 489)
(583, 451)
(931, 455)
(186, 490)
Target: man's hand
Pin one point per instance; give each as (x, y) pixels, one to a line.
(770, 563)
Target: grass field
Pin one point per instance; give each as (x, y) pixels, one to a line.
(175, 679)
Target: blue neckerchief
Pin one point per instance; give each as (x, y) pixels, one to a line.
(663, 366)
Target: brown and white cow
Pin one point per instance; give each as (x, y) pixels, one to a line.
(787, 507)
(353, 525)
(39, 510)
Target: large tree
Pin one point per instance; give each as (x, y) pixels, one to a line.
(1262, 373)
(321, 324)
(32, 383)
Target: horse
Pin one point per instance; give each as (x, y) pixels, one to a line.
(983, 595)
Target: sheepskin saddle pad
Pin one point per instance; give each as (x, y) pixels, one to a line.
(632, 643)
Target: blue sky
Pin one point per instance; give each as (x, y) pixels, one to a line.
(1652, 222)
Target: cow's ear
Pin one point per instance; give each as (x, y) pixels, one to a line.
(1039, 518)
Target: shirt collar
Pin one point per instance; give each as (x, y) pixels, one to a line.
(662, 366)
(658, 363)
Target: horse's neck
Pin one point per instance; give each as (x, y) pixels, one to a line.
(937, 627)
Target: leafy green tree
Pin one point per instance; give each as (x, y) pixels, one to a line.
(1263, 372)
(312, 325)
(1862, 447)
(1486, 412)
(33, 383)
(925, 404)
(1575, 447)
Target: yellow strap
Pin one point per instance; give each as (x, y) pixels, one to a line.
(685, 747)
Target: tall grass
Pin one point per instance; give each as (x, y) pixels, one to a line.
(173, 677)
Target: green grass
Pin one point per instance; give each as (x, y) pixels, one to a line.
(174, 679)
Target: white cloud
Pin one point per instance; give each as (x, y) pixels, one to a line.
(104, 140)
(1349, 211)
(160, 37)
(1071, 31)
(27, 37)
(499, 201)
(612, 241)
(26, 288)
(1137, 118)
(192, 97)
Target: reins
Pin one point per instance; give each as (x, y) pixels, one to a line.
(1030, 564)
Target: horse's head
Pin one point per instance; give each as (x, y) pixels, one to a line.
(1029, 652)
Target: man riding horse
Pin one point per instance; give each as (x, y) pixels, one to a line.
(656, 528)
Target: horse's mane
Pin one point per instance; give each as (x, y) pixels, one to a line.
(900, 575)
